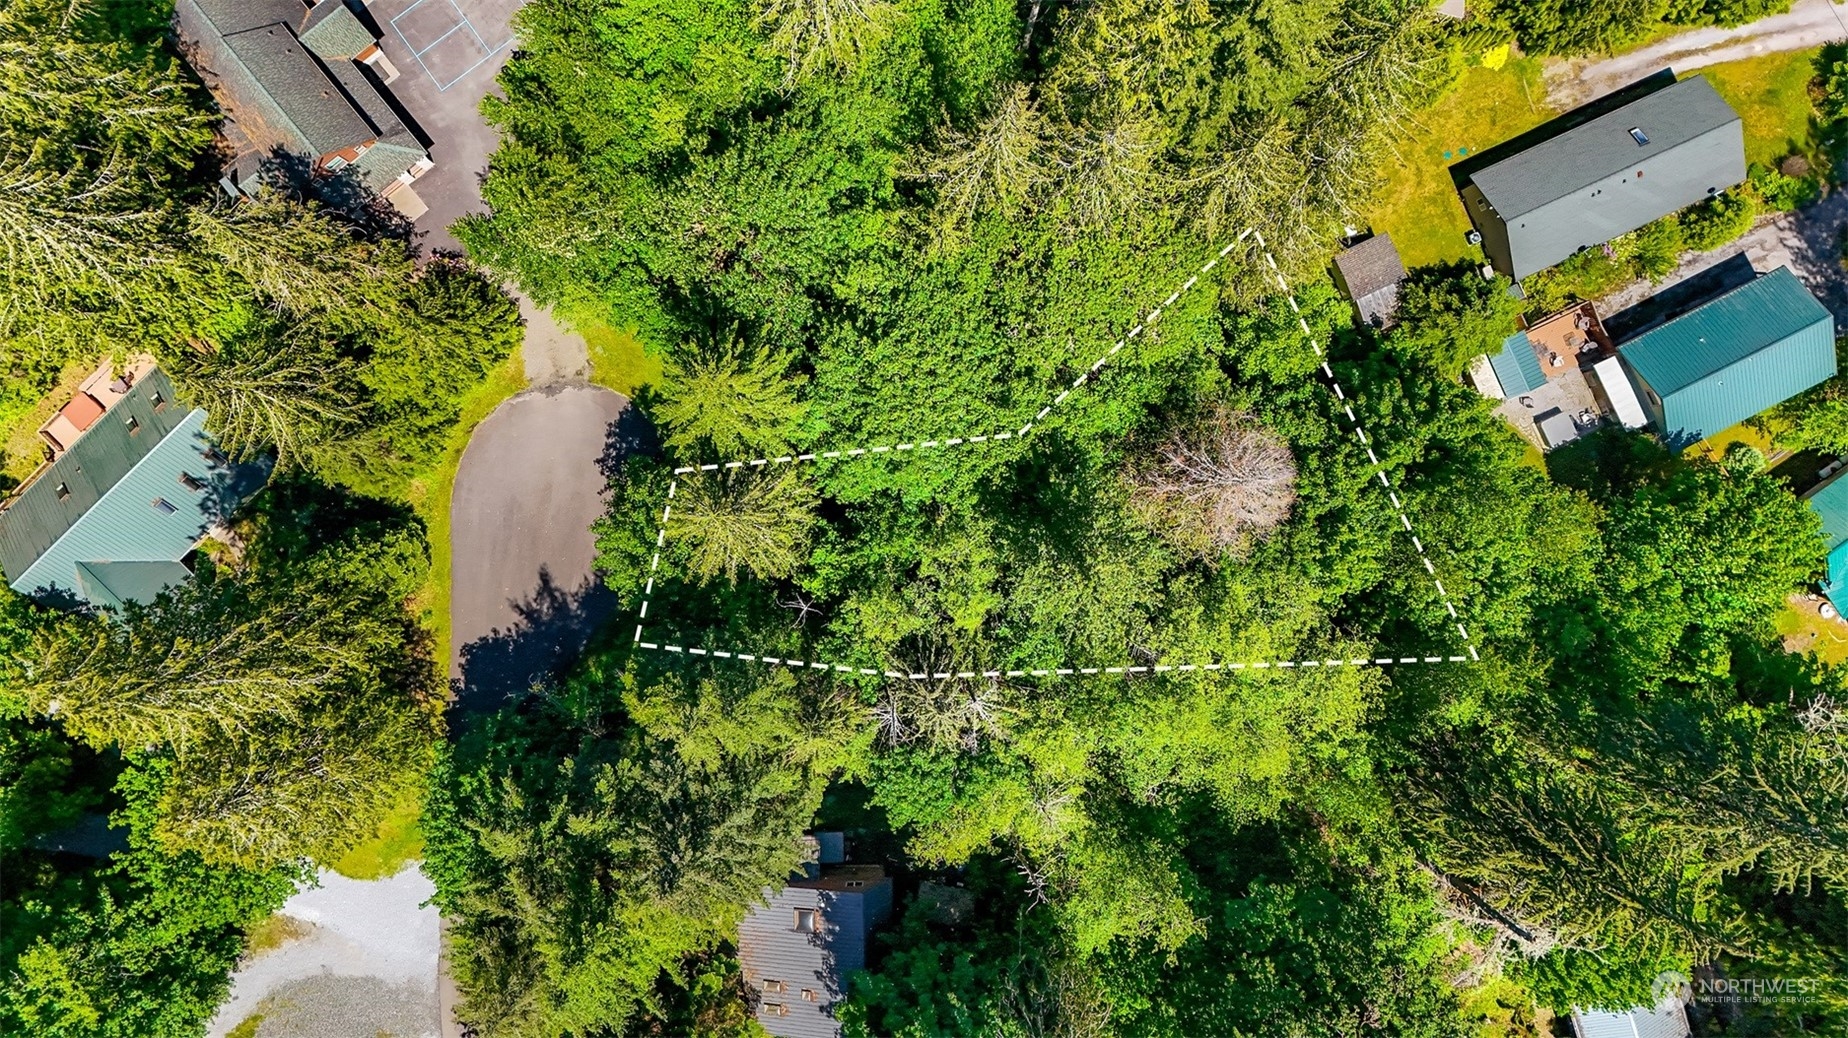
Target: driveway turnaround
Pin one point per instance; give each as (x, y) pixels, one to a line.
(523, 595)
(351, 958)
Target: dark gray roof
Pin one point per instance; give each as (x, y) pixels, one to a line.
(780, 963)
(304, 90)
(1370, 266)
(1588, 153)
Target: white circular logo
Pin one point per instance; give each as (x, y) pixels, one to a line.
(1671, 982)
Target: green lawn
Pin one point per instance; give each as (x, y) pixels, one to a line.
(1771, 95)
(429, 495)
(19, 437)
(1804, 630)
(617, 360)
(1417, 204)
(397, 841)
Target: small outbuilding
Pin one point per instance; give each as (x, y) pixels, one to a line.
(1731, 357)
(1369, 273)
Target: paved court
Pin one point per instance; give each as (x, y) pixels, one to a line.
(447, 53)
(451, 38)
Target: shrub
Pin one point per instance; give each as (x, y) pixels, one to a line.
(1743, 458)
(1718, 220)
(1783, 193)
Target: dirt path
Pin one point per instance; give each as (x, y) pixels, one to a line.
(1809, 23)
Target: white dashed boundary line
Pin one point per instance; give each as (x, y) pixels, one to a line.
(1011, 434)
(1366, 442)
(1379, 469)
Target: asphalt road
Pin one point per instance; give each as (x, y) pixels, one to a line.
(523, 596)
(1809, 23)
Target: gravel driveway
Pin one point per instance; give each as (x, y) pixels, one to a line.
(1809, 23)
(366, 965)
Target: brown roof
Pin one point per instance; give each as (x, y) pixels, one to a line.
(82, 411)
(1370, 266)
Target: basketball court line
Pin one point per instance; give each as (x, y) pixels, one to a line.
(462, 22)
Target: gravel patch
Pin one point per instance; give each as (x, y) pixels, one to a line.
(365, 965)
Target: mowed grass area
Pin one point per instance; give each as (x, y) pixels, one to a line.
(1771, 95)
(617, 359)
(1804, 629)
(19, 437)
(397, 841)
(1418, 204)
(429, 495)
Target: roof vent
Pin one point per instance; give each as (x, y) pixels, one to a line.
(1638, 135)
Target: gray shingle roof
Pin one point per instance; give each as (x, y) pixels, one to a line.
(1370, 266)
(1588, 153)
(304, 91)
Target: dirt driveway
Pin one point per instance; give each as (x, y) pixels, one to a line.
(1809, 23)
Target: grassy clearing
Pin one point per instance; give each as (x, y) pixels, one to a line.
(1714, 447)
(396, 842)
(247, 1028)
(617, 360)
(19, 438)
(1805, 630)
(429, 493)
(1418, 204)
(1771, 95)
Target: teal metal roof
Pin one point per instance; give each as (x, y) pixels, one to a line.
(115, 584)
(1830, 503)
(124, 493)
(1734, 356)
(1517, 366)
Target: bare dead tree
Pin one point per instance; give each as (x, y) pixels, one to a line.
(1218, 482)
(943, 703)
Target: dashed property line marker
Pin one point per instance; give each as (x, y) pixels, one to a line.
(667, 509)
(1050, 672)
(1366, 441)
(959, 441)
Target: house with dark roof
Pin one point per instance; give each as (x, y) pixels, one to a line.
(304, 82)
(132, 484)
(800, 948)
(1601, 171)
(1731, 357)
(1368, 273)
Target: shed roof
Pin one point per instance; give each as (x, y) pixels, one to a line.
(1589, 152)
(1723, 331)
(1517, 367)
(1369, 266)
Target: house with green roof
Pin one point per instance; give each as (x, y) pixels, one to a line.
(1731, 357)
(111, 517)
(1829, 500)
(304, 82)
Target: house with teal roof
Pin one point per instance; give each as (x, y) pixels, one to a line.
(1829, 500)
(1731, 357)
(128, 493)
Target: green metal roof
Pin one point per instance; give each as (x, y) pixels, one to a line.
(1830, 502)
(1517, 366)
(115, 584)
(1734, 356)
(124, 493)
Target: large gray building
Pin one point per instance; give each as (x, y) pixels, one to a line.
(801, 948)
(302, 81)
(1601, 171)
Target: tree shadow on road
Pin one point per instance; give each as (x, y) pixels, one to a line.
(555, 623)
(630, 435)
